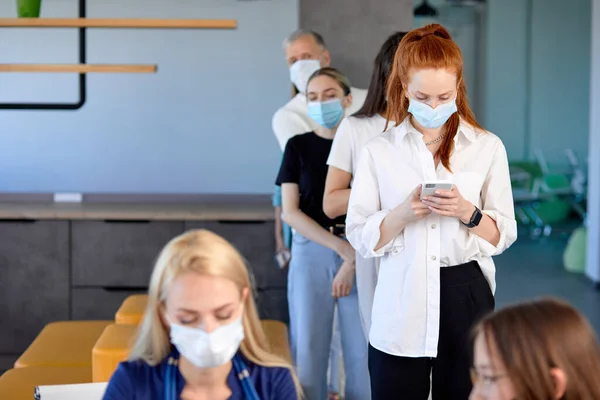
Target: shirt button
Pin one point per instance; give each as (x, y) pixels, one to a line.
(433, 226)
(433, 258)
(395, 251)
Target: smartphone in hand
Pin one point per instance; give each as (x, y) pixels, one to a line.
(428, 188)
(282, 258)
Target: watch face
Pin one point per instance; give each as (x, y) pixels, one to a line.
(477, 215)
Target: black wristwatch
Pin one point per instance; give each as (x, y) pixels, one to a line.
(475, 219)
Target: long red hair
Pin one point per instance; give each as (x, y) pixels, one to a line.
(425, 48)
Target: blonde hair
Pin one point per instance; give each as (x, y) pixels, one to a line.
(334, 74)
(206, 253)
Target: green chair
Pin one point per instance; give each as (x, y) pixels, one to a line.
(574, 256)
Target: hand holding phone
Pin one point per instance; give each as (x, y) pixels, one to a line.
(283, 257)
(449, 204)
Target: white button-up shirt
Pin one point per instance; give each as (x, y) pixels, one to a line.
(406, 308)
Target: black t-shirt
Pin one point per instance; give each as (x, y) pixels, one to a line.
(305, 163)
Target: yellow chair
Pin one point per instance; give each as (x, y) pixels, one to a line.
(111, 348)
(20, 383)
(277, 334)
(132, 310)
(63, 344)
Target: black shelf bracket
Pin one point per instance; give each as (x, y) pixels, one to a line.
(82, 79)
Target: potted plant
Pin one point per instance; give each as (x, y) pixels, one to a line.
(29, 8)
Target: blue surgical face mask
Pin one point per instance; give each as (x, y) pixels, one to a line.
(431, 118)
(328, 113)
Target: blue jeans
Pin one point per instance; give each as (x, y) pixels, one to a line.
(335, 356)
(312, 270)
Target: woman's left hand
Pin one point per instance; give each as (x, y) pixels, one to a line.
(343, 281)
(450, 203)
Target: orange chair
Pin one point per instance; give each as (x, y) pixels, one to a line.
(20, 383)
(112, 347)
(63, 344)
(277, 334)
(132, 309)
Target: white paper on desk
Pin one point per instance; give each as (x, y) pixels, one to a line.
(87, 391)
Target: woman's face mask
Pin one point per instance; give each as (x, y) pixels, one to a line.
(432, 118)
(205, 315)
(326, 101)
(432, 96)
(208, 350)
(328, 113)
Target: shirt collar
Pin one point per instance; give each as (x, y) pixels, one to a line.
(467, 131)
(406, 128)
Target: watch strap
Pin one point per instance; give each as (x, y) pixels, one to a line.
(475, 218)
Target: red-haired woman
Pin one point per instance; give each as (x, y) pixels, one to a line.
(436, 276)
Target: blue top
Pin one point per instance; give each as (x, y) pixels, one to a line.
(138, 380)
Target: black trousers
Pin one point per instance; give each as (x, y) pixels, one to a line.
(465, 296)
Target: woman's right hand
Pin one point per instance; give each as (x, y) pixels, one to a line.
(413, 209)
(346, 251)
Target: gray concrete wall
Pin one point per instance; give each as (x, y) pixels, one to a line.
(355, 29)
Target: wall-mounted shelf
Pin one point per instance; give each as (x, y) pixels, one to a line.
(133, 23)
(79, 68)
(82, 23)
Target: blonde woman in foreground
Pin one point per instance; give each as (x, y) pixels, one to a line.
(540, 350)
(201, 337)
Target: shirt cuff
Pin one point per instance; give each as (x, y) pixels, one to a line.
(372, 233)
(508, 235)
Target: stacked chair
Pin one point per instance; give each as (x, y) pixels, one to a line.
(545, 198)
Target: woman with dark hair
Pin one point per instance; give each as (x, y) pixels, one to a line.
(540, 350)
(375, 102)
(352, 134)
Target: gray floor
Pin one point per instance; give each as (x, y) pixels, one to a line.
(534, 268)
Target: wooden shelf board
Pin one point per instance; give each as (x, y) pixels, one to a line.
(79, 68)
(118, 23)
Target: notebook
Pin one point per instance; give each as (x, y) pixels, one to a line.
(87, 391)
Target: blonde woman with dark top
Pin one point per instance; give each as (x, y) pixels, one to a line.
(321, 271)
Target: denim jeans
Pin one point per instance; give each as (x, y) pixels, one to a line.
(312, 270)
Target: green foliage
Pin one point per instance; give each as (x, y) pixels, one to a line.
(29, 8)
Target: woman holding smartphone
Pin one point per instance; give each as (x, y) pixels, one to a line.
(436, 276)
